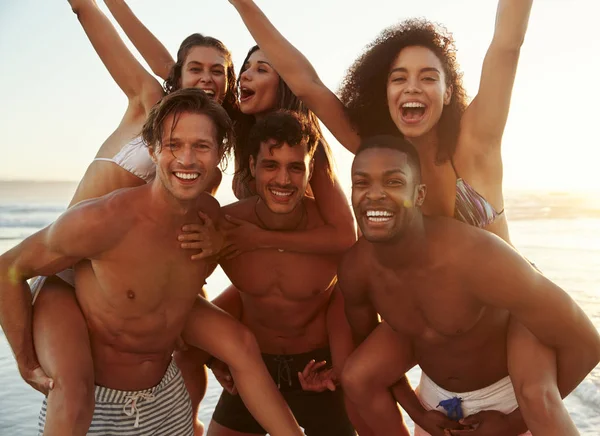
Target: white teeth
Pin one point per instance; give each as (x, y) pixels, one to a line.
(209, 92)
(413, 104)
(187, 176)
(379, 213)
(280, 193)
(379, 220)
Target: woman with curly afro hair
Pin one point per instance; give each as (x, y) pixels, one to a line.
(408, 81)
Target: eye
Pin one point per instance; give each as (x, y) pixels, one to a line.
(398, 79)
(430, 79)
(218, 72)
(395, 182)
(262, 70)
(201, 146)
(195, 70)
(359, 183)
(297, 169)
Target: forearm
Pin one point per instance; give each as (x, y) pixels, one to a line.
(16, 317)
(261, 397)
(512, 19)
(407, 398)
(152, 50)
(575, 363)
(320, 240)
(290, 63)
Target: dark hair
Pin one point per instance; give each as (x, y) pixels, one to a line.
(173, 82)
(364, 93)
(286, 100)
(189, 100)
(283, 126)
(394, 142)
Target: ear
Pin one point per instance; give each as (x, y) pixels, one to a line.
(448, 95)
(421, 192)
(252, 166)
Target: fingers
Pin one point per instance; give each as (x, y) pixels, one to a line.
(205, 218)
(233, 220)
(40, 381)
(460, 432)
(471, 419)
(308, 368)
(302, 380)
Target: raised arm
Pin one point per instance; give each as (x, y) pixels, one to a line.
(151, 49)
(298, 74)
(484, 121)
(79, 233)
(540, 305)
(137, 84)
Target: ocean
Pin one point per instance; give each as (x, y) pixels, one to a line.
(559, 232)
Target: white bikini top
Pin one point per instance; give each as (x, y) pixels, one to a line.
(134, 157)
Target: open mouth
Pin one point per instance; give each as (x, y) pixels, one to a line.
(281, 195)
(413, 112)
(246, 93)
(186, 177)
(379, 216)
(210, 93)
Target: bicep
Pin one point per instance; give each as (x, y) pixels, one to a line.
(339, 332)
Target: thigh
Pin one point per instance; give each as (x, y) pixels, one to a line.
(529, 361)
(60, 332)
(382, 359)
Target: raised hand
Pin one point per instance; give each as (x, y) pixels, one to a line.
(314, 378)
(204, 237)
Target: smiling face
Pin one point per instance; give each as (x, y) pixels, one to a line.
(282, 174)
(188, 156)
(205, 68)
(258, 85)
(417, 91)
(385, 192)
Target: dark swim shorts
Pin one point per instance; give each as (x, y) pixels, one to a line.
(318, 413)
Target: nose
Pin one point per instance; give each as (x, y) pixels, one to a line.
(375, 192)
(283, 177)
(205, 76)
(246, 76)
(413, 86)
(186, 156)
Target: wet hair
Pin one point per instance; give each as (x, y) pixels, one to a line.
(288, 101)
(364, 89)
(173, 82)
(193, 101)
(394, 142)
(283, 126)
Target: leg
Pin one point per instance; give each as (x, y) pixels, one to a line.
(191, 365)
(378, 363)
(341, 345)
(532, 367)
(63, 348)
(216, 429)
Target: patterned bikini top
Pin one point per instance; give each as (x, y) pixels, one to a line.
(471, 207)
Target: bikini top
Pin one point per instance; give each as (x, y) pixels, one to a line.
(134, 157)
(471, 207)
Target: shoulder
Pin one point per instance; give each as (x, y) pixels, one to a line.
(242, 209)
(353, 267)
(209, 205)
(312, 212)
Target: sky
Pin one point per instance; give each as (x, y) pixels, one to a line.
(59, 103)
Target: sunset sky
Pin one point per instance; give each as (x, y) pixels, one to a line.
(59, 103)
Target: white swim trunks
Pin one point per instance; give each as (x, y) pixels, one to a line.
(68, 276)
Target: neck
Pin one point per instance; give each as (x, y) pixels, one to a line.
(163, 203)
(426, 145)
(408, 248)
(280, 221)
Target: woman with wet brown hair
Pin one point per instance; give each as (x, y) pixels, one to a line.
(408, 80)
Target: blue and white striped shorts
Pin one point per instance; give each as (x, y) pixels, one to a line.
(165, 409)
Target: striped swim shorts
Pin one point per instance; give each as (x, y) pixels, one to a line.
(165, 409)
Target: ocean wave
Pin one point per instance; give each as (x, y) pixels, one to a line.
(588, 393)
(30, 208)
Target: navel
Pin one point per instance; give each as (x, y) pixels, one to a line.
(130, 294)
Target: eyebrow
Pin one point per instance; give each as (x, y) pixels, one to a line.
(385, 173)
(200, 63)
(422, 70)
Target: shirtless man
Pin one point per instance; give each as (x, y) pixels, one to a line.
(284, 296)
(445, 292)
(138, 289)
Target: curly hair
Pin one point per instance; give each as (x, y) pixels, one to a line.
(173, 82)
(190, 100)
(286, 100)
(364, 93)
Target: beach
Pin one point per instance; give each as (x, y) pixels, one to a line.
(559, 232)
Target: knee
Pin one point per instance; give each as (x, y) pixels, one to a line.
(538, 399)
(74, 392)
(355, 382)
(246, 344)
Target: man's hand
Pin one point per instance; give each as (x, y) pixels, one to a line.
(436, 423)
(37, 379)
(241, 237)
(314, 378)
(486, 423)
(223, 376)
(204, 237)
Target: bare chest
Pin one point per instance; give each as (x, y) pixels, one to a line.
(430, 307)
(292, 276)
